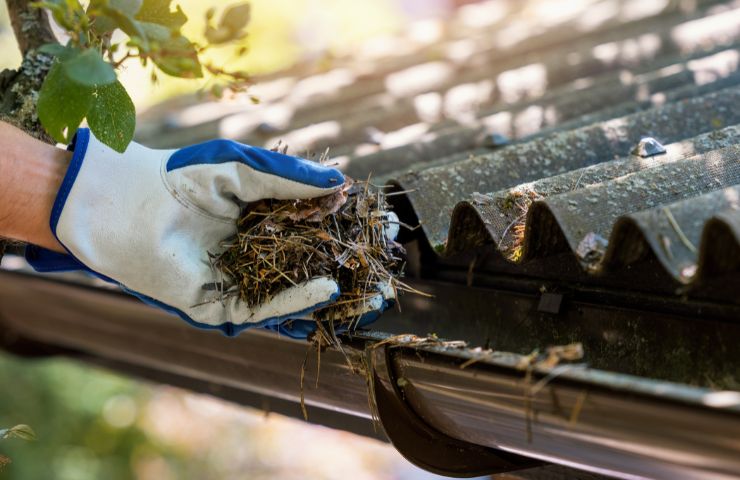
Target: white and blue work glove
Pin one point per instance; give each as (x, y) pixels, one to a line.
(147, 220)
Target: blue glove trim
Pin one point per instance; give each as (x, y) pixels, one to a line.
(45, 261)
(79, 147)
(266, 161)
(41, 259)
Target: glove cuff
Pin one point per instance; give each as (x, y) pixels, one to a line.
(78, 146)
(41, 259)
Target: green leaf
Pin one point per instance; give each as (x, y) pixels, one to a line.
(236, 17)
(178, 56)
(179, 67)
(57, 50)
(129, 7)
(58, 10)
(132, 28)
(118, 14)
(233, 20)
(24, 432)
(158, 11)
(62, 104)
(112, 116)
(88, 68)
(156, 32)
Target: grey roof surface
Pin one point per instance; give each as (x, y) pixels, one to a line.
(513, 129)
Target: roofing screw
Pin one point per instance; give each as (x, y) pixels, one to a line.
(495, 140)
(648, 147)
(592, 248)
(266, 128)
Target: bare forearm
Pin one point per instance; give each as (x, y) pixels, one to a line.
(30, 174)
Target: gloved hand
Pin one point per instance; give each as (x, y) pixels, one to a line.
(147, 220)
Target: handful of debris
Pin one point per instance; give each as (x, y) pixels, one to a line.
(281, 243)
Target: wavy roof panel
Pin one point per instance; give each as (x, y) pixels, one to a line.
(514, 127)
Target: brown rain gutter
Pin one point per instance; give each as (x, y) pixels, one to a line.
(448, 419)
(611, 424)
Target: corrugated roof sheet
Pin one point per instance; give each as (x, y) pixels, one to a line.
(513, 126)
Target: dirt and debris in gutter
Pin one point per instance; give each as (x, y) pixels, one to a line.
(536, 360)
(552, 357)
(550, 361)
(362, 362)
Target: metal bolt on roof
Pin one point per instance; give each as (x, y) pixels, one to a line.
(648, 147)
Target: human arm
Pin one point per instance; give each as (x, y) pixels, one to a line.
(148, 220)
(30, 174)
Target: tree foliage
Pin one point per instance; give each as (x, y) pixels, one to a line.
(83, 80)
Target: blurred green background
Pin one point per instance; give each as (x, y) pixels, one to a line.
(92, 424)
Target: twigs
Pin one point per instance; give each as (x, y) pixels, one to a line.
(676, 228)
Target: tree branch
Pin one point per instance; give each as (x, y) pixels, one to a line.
(19, 88)
(30, 25)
